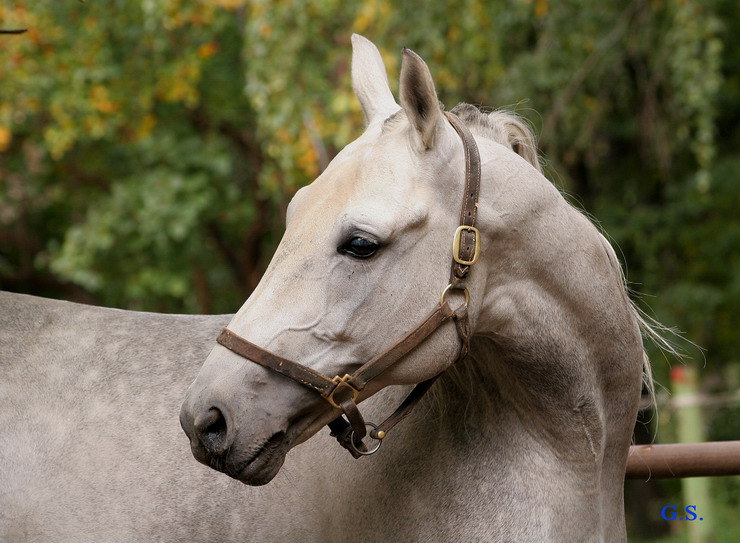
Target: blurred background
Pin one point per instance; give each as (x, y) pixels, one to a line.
(149, 148)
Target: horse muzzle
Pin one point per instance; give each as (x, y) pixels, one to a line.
(215, 442)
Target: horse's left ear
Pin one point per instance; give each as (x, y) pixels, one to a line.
(370, 81)
(418, 97)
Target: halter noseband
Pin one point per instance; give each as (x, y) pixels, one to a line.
(343, 392)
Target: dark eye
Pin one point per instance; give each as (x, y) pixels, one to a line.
(358, 247)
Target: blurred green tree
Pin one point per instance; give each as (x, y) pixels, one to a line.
(625, 95)
(129, 159)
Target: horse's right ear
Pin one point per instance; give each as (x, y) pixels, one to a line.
(370, 81)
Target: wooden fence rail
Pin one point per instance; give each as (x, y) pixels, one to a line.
(678, 460)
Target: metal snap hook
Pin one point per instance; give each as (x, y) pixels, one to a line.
(369, 451)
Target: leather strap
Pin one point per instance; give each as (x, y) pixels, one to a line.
(377, 365)
(469, 210)
(331, 387)
(343, 392)
(403, 410)
(303, 374)
(323, 384)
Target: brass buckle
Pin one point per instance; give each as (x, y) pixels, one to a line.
(456, 245)
(342, 382)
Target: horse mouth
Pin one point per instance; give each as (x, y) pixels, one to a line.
(264, 464)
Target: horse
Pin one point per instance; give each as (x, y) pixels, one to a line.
(535, 345)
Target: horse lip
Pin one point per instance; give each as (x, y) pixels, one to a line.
(249, 471)
(262, 466)
(265, 463)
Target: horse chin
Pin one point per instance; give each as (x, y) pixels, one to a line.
(261, 471)
(265, 464)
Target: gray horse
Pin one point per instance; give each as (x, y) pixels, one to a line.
(523, 440)
(526, 438)
(90, 447)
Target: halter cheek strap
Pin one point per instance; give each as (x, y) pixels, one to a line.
(344, 392)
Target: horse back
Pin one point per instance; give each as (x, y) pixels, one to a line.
(90, 445)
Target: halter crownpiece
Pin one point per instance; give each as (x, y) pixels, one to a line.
(344, 392)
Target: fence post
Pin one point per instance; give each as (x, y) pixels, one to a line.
(690, 429)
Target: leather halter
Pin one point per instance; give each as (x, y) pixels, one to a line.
(343, 392)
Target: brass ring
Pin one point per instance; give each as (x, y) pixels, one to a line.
(370, 451)
(449, 287)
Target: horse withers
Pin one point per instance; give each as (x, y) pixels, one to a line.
(525, 437)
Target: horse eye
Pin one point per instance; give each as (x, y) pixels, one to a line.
(358, 247)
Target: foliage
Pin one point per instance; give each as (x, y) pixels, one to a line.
(128, 157)
(628, 95)
(149, 148)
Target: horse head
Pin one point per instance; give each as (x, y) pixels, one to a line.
(366, 256)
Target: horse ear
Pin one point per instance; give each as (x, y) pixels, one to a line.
(418, 97)
(370, 81)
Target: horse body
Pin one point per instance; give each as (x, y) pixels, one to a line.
(90, 447)
(527, 439)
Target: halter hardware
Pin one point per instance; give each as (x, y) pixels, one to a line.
(342, 382)
(456, 245)
(374, 449)
(453, 286)
(351, 432)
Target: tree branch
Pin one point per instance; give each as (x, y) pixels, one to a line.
(235, 263)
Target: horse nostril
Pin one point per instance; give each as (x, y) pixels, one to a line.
(211, 429)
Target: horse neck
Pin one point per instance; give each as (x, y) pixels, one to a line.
(532, 462)
(558, 354)
(562, 342)
(484, 403)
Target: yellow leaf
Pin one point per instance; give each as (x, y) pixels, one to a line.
(540, 8)
(207, 50)
(230, 4)
(101, 101)
(265, 30)
(5, 137)
(308, 162)
(146, 126)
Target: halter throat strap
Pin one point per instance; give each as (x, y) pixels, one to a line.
(343, 392)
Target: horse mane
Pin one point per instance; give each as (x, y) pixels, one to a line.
(504, 127)
(514, 132)
(649, 327)
(511, 130)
